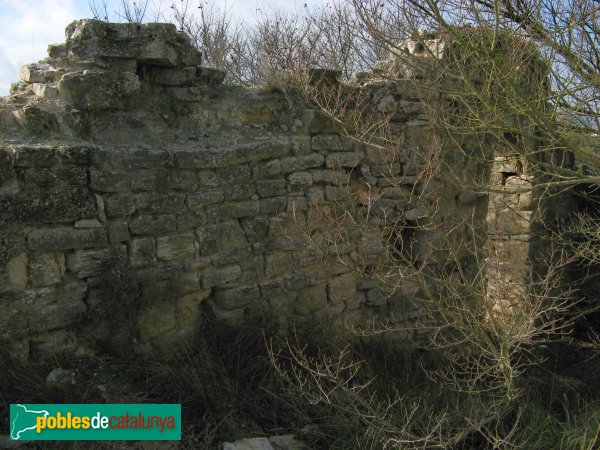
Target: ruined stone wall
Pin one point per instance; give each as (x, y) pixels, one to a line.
(137, 194)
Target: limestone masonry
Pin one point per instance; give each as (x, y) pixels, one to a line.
(138, 193)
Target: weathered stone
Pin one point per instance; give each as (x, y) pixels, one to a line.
(297, 163)
(330, 177)
(34, 156)
(233, 175)
(158, 53)
(341, 288)
(142, 252)
(271, 188)
(46, 269)
(233, 210)
(255, 229)
(277, 264)
(331, 143)
(220, 237)
(98, 90)
(153, 225)
(118, 232)
(58, 207)
(154, 202)
(198, 200)
(37, 73)
(66, 238)
(240, 191)
(267, 170)
(87, 263)
(273, 205)
(88, 223)
(55, 307)
(345, 159)
(119, 205)
(299, 180)
(236, 297)
(179, 246)
(44, 90)
(220, 276)
(16, 270)
(105, 181)
(232, 256)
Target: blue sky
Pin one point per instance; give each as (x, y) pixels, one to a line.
(28, 26)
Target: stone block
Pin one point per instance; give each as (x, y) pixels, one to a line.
(207, 178)
(80, 155)
(53, 178)
(66, 238)
(46, 206)
(331, 143)
(153, 225)
(158, 53)
(184, 180)
(179, 246)
(233, 210)
(35, 156)
(266, 170)
(237, 297)
(242, 191)
(278, 264)
(342, 159)
(16, 274)
(509, 221)
(119, 205)
(299, 180)
(198, 200)
(232, 256)
(299, 163)
(37, 73)
(190, 220)
(255, 228)
(55, 307)
(273, 205)
(46, 269)
(88, 223)
(341, 288)
(233, 175)
(333, 177)
(118, 232)
(87, 263)
(98, 90)
(142, 252)
(220, 276)
(107, 181)
(45, 90)
(271, 188)
(156, 202)
(220, 237)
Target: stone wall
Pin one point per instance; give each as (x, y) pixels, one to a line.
(138, 193)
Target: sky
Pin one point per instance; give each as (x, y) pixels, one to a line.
(27, 27)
